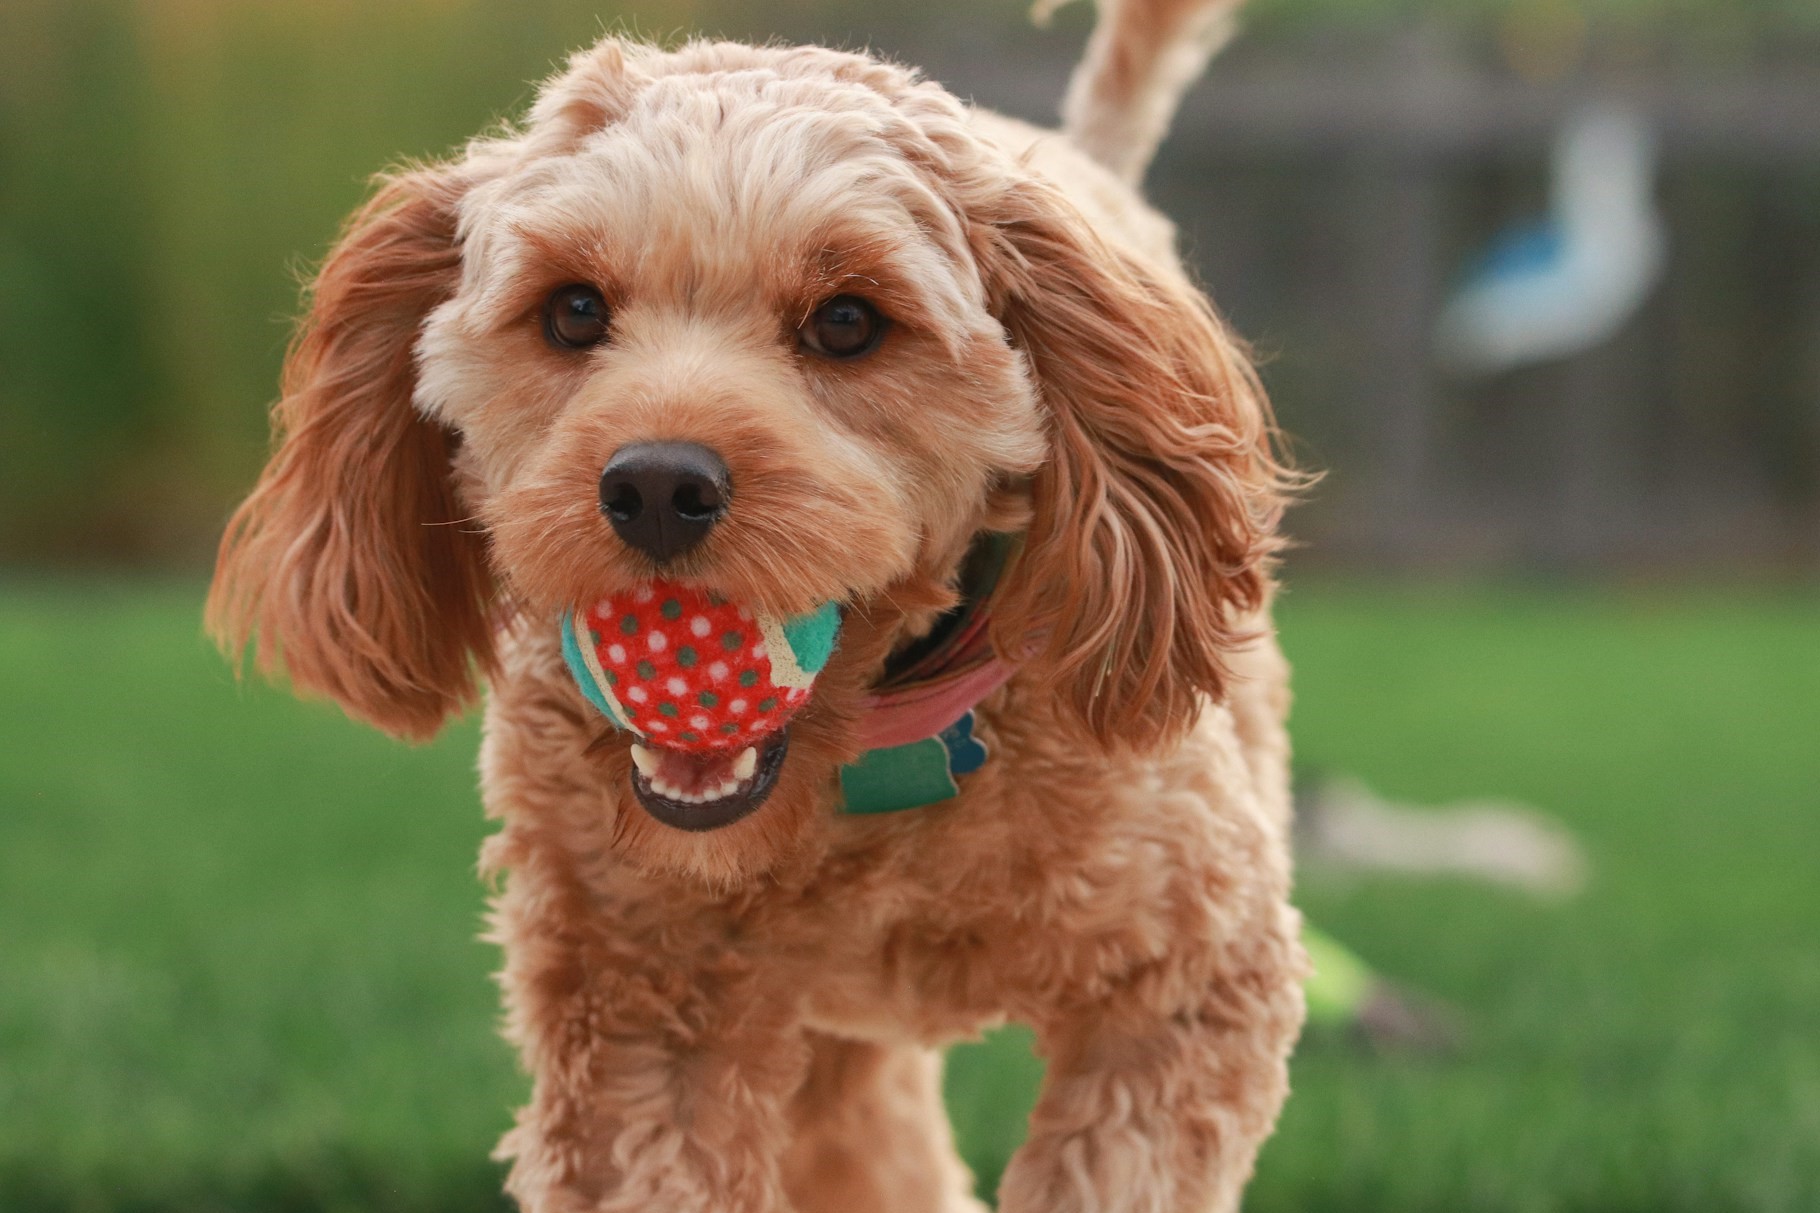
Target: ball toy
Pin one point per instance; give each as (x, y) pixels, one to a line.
(687, 669)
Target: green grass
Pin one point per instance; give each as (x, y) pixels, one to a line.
(1649, 1046)
(238, 968)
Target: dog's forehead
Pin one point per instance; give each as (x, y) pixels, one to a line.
(717, 182)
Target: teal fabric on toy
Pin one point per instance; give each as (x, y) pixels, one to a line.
(812, 636)
(578, 668)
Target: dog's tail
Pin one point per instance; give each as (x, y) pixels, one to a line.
(1140, 61)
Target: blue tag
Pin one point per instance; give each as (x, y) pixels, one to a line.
(966, 753)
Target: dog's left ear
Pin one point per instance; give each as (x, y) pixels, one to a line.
(1154, 530)
(350, 563)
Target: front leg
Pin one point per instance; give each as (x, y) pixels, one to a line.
(1156, 1103)
(870, 1134)
(662, 1072)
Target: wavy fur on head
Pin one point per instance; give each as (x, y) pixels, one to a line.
(741, 1020)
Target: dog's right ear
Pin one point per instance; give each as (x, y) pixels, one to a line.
(351, 565)
(1153, 535)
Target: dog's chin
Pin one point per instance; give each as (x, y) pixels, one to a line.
(762, 828)
(706, 791)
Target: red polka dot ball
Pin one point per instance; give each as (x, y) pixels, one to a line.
(687, 669)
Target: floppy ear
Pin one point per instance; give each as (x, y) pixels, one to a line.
(1154, 529)
(349, 562)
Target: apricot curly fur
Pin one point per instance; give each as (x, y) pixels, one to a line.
(748, 1019)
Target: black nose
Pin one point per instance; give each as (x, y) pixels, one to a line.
(664, 497)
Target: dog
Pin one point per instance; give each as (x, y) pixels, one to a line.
(882, 349)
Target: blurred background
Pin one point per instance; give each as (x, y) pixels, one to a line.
(1536, 282)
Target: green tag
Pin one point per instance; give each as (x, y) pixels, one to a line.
(898, 777)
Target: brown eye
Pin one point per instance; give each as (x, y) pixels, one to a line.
(575, 317)
(844, 327)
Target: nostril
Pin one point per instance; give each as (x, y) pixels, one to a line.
(626, 503)
(697, 501)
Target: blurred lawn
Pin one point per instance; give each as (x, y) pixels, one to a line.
(237, 966)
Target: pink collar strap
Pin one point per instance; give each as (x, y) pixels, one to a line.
(918, 726)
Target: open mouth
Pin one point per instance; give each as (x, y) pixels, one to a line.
(705, 791)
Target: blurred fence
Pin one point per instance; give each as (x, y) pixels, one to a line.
(1329, 186)
(1330, 196)
(1693, 437)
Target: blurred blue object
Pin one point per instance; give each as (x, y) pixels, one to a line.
(1522, 251)
(1554, 288)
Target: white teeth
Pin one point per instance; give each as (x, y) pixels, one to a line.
(649, 763)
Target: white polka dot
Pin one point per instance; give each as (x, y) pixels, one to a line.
(645, 594)
(718, 671)
(658, 642)
(657, 726)
(700, 625)
(604, 608)
(758, 652)
(617, 652)
(677, 686)
(698, 722)
(637, 695)
(795, 693)
(737, 707)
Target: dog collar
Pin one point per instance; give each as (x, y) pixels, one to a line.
(918, 722)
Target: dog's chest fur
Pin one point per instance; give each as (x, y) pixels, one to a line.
(932, 924)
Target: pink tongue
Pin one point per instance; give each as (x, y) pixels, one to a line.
(695, 773)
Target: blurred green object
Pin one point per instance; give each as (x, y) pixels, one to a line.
(239, 969)
(1340, 984)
